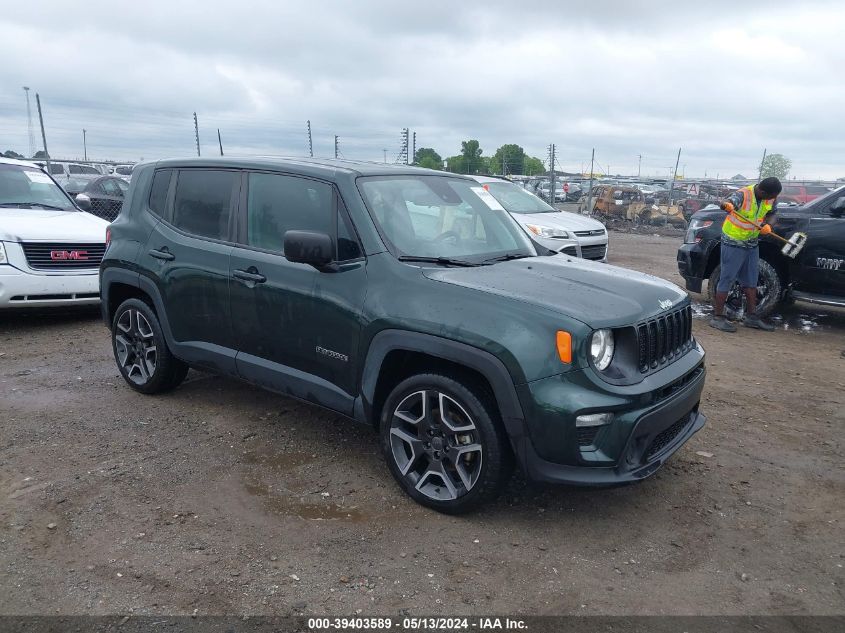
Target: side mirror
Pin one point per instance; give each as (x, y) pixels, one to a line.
(83, 201)
(309, 247)
(838, 207)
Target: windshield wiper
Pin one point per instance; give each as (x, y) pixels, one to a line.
(32, 204)
(504, 258)
(436, 260)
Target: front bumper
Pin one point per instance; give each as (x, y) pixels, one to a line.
(692, 265)
(651, 422)
(595, 248)
(19, 289)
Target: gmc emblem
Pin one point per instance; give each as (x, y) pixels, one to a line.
(59, 256)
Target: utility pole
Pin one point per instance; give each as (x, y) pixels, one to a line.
(672, 184)
(335, 146)
(197, 133)
(310, 144)
(43, 135)
(29, 124)
(761, 163)
(551, 173)
(414, 149)
(590, 192)
(220, 141)
(84, 145)
(639, 164)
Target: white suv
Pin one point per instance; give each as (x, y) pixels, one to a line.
(568, 233)
(50, 250)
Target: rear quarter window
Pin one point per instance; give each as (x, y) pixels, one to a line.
(158, 191)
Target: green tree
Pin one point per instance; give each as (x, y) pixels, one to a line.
(513, 158)
(533, 166)
(40, 155)
(776, 165)
(12, 154)
(469, 161)
(427, 157)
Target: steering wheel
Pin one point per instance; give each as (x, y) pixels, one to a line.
(453, 235)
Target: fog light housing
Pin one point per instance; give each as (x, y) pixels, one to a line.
(593, 419)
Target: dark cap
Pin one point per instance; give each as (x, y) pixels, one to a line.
(770, 186)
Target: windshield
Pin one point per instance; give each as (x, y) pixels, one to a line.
(516, 199)
(434, 216)
(22, 186)
(816, 201)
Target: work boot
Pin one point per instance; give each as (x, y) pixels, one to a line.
(752, 320)
(721, 323)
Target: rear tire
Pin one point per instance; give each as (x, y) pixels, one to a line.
(769, 291)
(140, 351)
(444, 443)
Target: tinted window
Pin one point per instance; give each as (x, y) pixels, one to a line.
(56, 169)
(110, 187)
(277, 204)
(158, 192)
(203, 202)
(124, 171)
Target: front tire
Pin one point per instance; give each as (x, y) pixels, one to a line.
(769, 291)
(141, 353)
(444, 443)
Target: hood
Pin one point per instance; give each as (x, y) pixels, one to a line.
(599, 295)
(560, 220)
(31, 225)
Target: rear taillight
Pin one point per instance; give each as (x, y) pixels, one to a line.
(108, 236)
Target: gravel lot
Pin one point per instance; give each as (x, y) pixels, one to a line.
(222, 498)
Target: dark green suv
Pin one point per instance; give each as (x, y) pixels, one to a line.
(407, 299)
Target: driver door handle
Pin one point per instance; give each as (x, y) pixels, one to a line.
(162, 254)
(249, 275)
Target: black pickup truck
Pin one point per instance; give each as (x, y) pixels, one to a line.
(816, 275)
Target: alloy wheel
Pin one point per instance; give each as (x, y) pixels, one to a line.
(135, 346)
(436, 445)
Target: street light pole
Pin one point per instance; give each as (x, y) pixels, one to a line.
(84, 145)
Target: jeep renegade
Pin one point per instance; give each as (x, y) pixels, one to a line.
(410, 300)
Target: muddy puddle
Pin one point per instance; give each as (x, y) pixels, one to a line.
(311, 506)
(791, 318)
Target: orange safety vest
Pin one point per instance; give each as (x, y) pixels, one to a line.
(740, 224)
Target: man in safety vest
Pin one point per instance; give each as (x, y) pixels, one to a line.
(750, 210)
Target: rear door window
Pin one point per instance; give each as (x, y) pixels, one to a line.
(203, 202)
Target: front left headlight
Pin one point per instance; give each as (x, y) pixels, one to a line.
(547, 231)
(3, 259)
(601, 349)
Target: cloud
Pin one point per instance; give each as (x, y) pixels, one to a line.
(723, 81)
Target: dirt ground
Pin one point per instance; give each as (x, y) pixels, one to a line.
(222, 498)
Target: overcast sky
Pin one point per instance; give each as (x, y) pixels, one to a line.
(722, 80)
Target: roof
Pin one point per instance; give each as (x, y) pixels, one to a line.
(15, 161)
(311, 166)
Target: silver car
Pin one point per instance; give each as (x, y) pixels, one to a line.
(560, 231)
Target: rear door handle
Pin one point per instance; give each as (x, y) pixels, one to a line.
(163, 254)
(250, 275)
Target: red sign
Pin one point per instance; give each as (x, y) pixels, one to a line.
(60, 256)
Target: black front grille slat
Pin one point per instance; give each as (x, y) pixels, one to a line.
(665, 438)
(59, 256)
(596, 251)
(663, 339)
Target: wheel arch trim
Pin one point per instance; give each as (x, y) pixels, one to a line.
(483, 362)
